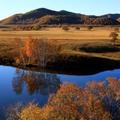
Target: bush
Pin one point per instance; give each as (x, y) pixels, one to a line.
(12, 112)
(37, 27)
(30, 112)
(65, 28)
(90, 28)
(77, 28)
(116, 29)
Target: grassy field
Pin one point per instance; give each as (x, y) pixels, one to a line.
(77, 45)
(59, 34)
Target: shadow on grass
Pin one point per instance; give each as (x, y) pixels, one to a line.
(99, 47)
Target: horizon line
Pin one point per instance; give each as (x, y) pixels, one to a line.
(102, 14)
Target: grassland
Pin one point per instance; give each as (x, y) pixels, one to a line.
(76, 44)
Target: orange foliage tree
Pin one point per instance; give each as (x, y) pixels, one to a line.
(20, 53)
(95, 101)
(70, 103)
(38, 51)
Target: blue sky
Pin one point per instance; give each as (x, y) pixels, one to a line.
(96, 7)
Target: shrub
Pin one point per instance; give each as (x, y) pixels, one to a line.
(12, 111)
(30, 112)
(77, 28)
(116, 29)
(90, 28)
(37, 27)
(65, 28)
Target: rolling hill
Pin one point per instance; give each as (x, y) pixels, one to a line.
(43, 16)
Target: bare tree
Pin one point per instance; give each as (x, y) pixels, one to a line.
(40, 51)
(46, 51)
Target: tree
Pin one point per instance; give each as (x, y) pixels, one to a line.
(39, 51)
(95, 101)
(114, 37)
(69, 103)
(45, 51)
(90, 28)
(20, 53)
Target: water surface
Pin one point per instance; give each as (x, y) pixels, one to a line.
(17, 85)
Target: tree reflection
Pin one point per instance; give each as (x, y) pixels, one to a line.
(44, 83)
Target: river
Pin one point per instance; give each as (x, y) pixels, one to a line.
(23, 86)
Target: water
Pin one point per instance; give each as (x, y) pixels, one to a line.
(21, 86)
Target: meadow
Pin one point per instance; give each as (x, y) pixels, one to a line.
(77, 44)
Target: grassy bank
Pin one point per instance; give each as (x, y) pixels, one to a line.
(80, 48)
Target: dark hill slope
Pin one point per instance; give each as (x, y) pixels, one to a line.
(105, 21)
(113, 16)
(60, 19)
(46, 16)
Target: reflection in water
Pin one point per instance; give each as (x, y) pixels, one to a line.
(22, 86)
(43, 83)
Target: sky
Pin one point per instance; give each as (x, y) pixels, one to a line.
(89, 7)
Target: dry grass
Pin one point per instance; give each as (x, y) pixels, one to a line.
(69, 40)
(58, 33)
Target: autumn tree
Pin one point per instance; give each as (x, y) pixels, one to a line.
(38, 52)
(108, 91)
(30, 112)
(29, 47)
(95, 101)
(69, 103)
(19, 53)
(114, 37)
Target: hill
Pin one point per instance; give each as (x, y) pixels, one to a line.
(45, 16)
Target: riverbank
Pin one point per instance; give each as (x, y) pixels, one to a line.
(70, 64)
(83, 51)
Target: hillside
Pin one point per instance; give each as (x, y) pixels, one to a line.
(45, 16)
